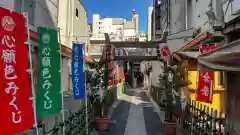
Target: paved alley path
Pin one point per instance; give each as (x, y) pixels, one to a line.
(134, 115)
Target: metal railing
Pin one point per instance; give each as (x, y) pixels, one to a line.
(75, 124)
(196, 118)
(199, 119)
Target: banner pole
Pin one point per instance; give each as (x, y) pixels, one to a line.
(61, 70)
(33, 98)
(86, 92)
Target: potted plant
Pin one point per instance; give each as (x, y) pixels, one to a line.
(97, 97)
(101, 109)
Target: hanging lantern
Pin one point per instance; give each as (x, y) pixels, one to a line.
(165, 51)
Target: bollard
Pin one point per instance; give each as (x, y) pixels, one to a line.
(170, 127)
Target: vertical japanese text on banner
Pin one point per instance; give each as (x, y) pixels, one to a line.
(9, 60)
(46, 74)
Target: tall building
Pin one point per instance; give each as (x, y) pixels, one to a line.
(129, 31)
(72, 22)
(135, 19)
(95, 25)
(149, 23)
(112, 26)
(90, 30)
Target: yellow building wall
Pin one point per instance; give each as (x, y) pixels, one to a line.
(218, 91)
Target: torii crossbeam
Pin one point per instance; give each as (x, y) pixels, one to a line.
(129, 44)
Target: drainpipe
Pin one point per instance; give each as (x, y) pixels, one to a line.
(22, 7)
(58, 15)
(186, 11)
(225, 100)
(67, 21)
(154, 23)
(150, 81)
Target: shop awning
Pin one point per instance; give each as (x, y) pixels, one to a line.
(189, 54)
(204, 38)
(225, 57)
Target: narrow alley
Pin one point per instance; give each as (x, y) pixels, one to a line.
(134, 114)
(119, 67)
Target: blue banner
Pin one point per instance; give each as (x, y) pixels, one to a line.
(78, 73)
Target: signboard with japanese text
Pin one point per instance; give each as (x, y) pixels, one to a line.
(78, 73)
(16, 113)
(205, 79)
(207, 48)
(48, 96)
(118, 52)
(205, 86)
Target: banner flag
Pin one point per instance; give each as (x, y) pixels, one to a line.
(78, 73)
(16, 113)
(205, 87)
(48, 96)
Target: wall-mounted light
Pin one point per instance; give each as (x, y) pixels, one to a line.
(159, 2)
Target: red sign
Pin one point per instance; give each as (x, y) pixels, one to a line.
(205, 79)
(16, 113)
(207, 48)
(205, 86)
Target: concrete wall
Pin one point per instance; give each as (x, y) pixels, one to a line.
(197, 16)
(73, 22)
(174, 43)
(46, 13)
(7, 4)
(184, 15)
(177, 15)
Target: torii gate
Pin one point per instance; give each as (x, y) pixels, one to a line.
(107, 54)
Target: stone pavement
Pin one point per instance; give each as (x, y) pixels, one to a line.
(134, 115)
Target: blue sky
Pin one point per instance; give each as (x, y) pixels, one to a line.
(118, 8)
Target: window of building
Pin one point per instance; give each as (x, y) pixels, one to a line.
(26, 6)
(76, 12)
